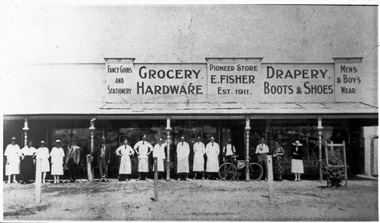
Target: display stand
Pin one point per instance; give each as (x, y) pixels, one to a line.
(338, 151)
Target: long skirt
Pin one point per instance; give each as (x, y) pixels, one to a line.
(297, 166)
(183, 165)
(199, 163)
(56, 169)
(278, 165)
(45, 166)
(143, 165)
(27, 168)
(212, 165)
(125, 165)
(12, 167)
(160, 165)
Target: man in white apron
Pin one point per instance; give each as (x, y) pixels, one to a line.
(199, 159)
(183, 151)
(125, 168)
(143, 150)
(212, 165)
(159, 152)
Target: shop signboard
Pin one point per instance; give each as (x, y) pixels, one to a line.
(226, 80)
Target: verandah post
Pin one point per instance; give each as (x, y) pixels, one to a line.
(168, 129)
(90, 170)
(247, 129)
(320, 147)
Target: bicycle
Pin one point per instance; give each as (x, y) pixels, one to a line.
(229, 171)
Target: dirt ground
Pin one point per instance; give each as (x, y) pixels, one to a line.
(194, 200)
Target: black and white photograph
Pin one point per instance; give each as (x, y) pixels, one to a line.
(189, 111)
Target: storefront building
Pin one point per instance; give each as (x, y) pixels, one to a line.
(241, 98)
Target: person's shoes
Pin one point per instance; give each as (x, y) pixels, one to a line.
(105, 181)
(203, 178)
(16, 182)
(187, 179)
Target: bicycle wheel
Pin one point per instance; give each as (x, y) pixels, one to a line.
(255, 171)
(227, 171)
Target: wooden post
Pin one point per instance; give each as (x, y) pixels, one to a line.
(247, 129)
(90, 170)
(345, 162)
(37, 183)
(168, 129)
(270, 176)
(155, 180)
(320, 147)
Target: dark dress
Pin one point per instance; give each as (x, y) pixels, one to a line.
(278, 161)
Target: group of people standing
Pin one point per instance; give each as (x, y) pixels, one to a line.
(205, 159)
(23, 161)
(278, 153)
(143, 149)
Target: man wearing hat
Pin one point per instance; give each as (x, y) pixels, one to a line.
(42, 154)
(12, 152)
(103, 153)
(72, 159)
(57, 155)
(297, 163)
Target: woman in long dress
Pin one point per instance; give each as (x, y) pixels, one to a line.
(124, 151)
(57, 154)
(159, 152)
(27, 162)
(199, 160)
(297, 163)
(278, 162)
(42, 154)
(212, 152)
(12, 152)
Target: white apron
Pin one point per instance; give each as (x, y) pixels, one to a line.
(199, 160)
(159, 152)
(183, 151)
(212, 152)
(125, 161)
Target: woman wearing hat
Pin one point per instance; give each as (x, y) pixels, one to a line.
(12, 152)
(43, 155)
(297, 164)
(57, 154)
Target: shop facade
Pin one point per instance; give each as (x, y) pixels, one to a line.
(241, 98)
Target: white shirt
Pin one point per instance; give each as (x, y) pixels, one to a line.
(26, 151)
(144, 148)
(183, 150)
(159, 150)
(212, 149)
(124, 150)
(57, 155)
(12, 152)
(42, 153)
(262, 148)
(229, 150)
(199, 147)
